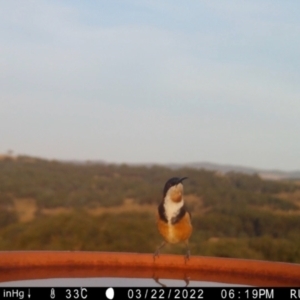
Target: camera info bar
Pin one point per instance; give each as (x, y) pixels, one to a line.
(123, 293)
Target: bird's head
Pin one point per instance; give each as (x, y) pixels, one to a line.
(174, 189)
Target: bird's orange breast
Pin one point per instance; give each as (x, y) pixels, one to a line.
(178, 232)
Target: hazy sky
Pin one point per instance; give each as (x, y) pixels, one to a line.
(152, 81)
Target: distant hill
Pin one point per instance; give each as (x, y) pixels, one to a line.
(221, 168)
(265, 174)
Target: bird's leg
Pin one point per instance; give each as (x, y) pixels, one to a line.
(188, 252)
(156, 253)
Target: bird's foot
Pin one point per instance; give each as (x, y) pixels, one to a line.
(187, 256)
(156, 253)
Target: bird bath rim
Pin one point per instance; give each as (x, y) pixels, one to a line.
(22, 265)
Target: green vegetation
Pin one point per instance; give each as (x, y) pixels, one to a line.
(234, 215)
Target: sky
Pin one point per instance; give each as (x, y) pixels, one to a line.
(152, 81)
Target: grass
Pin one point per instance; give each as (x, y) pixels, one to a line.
(27, 209)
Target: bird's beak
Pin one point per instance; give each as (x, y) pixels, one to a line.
(181, 179)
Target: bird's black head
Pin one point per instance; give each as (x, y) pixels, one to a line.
(171, 182)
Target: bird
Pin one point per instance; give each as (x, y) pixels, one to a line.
(173, 220)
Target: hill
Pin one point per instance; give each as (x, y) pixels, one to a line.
(96, 206)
